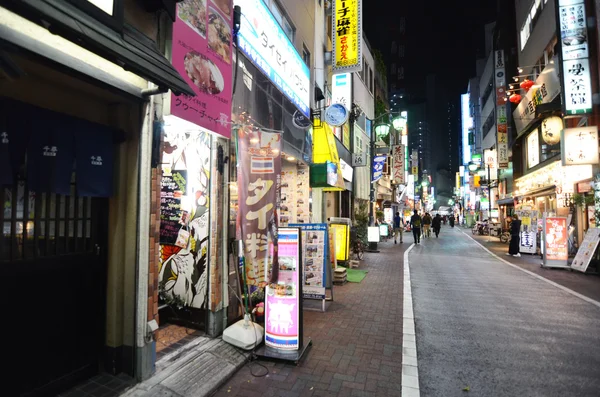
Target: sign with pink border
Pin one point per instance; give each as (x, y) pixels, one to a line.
(202, 43)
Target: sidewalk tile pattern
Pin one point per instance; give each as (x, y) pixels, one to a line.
(357, 343)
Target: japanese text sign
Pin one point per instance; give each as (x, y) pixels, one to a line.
(555, 240)
(501, 120)
(347, 35)
(398, 157)
(265, 43)
(580, 146)
(259, 182)
(202, 55)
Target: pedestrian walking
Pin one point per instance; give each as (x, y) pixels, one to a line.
(415, 223)
(515, 239)
(427, 225)
(451, 219)
(436, 224)
(398, 226)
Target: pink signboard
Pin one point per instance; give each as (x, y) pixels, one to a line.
(202, 55)
(282, 311)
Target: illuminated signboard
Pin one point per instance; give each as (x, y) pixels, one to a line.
(467, 123)
(347, 35)
(282, 311)
(580, 146)
(574, 48)
(268, 47)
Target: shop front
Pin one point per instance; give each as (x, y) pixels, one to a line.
(195, 132)
(271, 149)
(75, 144)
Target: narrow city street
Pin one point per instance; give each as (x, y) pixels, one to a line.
(491, 329)
(357, 343)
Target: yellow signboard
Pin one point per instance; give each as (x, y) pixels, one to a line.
(415, 170)
(347, 35)
(341, 235)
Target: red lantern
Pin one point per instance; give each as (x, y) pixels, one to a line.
(515, 98)
(526, 84)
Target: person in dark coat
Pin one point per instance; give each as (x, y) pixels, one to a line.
(436, 224)
(515, 238)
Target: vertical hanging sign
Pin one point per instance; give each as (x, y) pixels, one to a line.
(398, 157)
(501, 120)
(575, 56)
(347, 36)
(259, 182)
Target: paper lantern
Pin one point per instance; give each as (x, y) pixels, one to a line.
(526, 84)
(515, 98)
(551, 128)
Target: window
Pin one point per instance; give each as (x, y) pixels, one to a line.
(358, 145)
(283, 20)
(530, 21)
(109, 12)
(306, 56)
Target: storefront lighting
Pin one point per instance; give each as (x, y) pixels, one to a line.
(254, 140)
(473, 166)
(290, 158)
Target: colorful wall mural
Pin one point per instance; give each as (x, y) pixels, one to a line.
(184, 230)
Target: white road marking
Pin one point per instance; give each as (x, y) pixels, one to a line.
(562, 287)
(410, 367)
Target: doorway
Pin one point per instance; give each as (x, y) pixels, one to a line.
(53, 248)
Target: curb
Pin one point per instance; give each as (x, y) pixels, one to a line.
(410, 367)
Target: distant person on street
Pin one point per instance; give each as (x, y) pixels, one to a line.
(436, 224)
(451, 219)
(415, 223)
(515, 240)
(427, 225)
(398, 226)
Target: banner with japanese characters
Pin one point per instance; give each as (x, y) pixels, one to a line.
(259, 183)
(556, 243)
(572, 22)
(347, 35)
(202, 55)
(501, 120)
(398, 154)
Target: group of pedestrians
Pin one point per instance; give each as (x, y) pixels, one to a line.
(420, 226)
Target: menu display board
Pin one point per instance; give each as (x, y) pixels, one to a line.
(315, 242)
(295, 194)
(173, 187)
(556, 242)
(586, 250)
(282, 303)
(528, 232)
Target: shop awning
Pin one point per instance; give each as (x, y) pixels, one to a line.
(130, 49)
(324, 149)
(506, 201)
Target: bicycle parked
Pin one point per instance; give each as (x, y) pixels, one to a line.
(358, 249)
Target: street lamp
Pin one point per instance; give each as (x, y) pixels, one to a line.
(382, 129)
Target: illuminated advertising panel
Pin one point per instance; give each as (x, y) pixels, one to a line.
(347, 35)
(467, 123)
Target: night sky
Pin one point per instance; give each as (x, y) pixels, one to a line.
(443, 37)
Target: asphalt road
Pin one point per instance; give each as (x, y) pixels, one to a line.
(487, 329)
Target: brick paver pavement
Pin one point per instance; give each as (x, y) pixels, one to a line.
(357, 343)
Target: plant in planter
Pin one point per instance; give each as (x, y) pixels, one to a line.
(361, 222)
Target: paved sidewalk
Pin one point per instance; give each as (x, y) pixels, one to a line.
(585, 284)
(357, 343)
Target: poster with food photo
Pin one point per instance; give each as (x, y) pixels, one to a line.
(202, 47)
